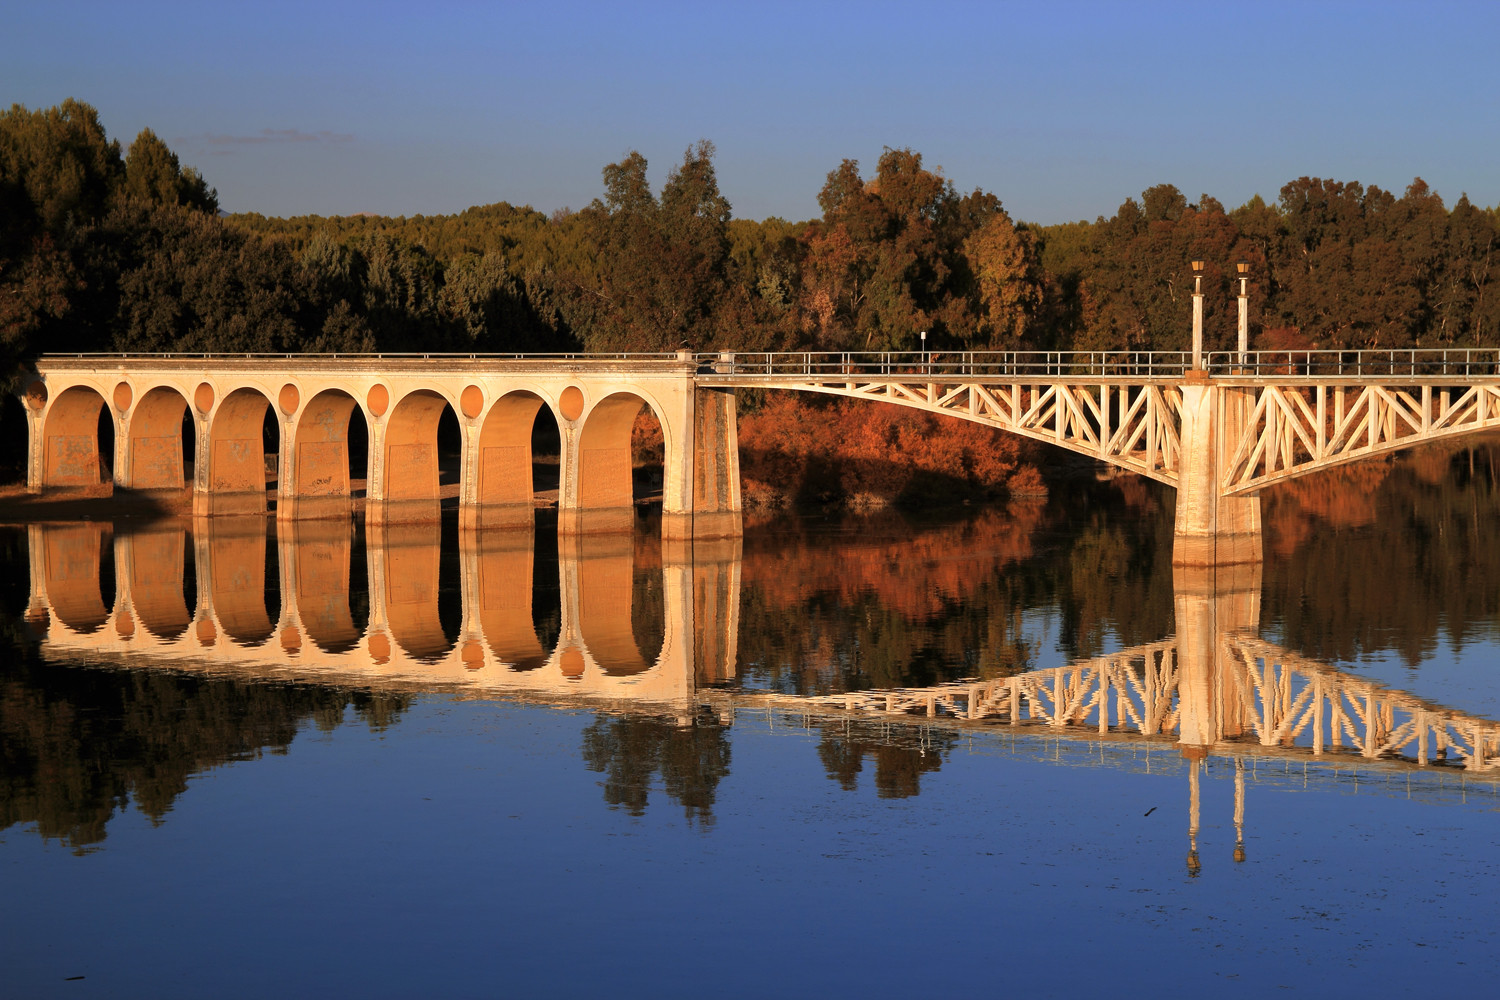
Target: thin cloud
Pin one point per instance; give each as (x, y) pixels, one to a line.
(271, 135)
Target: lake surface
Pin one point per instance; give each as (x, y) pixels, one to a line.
(843, 756)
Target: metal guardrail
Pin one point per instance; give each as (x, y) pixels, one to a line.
(1477, 362)
(949, 364)
(1461, 362)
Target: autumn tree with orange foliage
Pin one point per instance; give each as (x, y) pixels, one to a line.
(871, 454)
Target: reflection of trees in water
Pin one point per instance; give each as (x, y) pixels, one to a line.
(690, 757)
(901, 755)
(78, 745)
(891, 602)
(1387, 554)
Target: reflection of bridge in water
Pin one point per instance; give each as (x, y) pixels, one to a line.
(497, 652)
(1213, 689)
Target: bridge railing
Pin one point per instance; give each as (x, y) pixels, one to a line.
(1476, 362)
(946, 364)
(1460, 362)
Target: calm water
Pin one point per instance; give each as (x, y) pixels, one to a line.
(859, 756)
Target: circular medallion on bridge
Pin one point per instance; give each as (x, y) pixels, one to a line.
(378, 399)
(123, 396)
(36, 396)
(289, 399)
(571, 662)
(472, 655)
(571, 403)
(204, 397)
(472, 401)
(380, 647)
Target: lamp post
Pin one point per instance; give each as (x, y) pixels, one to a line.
(924, 350)
(1243, 268)
(1198, 315)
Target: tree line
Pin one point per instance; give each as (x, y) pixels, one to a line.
(104, 249)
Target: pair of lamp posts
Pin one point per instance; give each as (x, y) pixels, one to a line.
(1242, 269)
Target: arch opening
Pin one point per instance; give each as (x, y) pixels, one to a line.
(422, 448)
(324, 451)
(518, 456)
(620, 454)
(160, 442)
(243, 433)
(77, 431)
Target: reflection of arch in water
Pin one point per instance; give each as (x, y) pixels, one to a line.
(71, 455)
(236, 571)
(315, 576)
(152, 562)
(601, 572)
(406, 559)
(503, 594)
(154, 447)
(67, 560)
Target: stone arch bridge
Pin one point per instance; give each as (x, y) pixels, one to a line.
(1218, 433)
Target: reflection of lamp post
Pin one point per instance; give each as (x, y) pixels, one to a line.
(1239, 800)
(1198, 315)
(1243, 268)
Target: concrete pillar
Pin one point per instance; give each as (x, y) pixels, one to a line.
(1212, 529)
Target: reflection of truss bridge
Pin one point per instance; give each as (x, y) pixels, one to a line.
(1255, 699)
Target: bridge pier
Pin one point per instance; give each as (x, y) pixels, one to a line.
(1212, 529)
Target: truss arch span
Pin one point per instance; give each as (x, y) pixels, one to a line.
(1131, 425)
(1292, 430)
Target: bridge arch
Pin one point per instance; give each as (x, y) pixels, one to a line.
(71, 454)
(505, 460)
(322, 464)
(237, 429)
(154, 437)
(605, 464)
(409, 466)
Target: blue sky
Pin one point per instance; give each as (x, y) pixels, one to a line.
(1062, 109)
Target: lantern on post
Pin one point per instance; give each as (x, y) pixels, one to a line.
(1198, 315)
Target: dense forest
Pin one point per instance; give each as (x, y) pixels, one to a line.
(110, 249)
